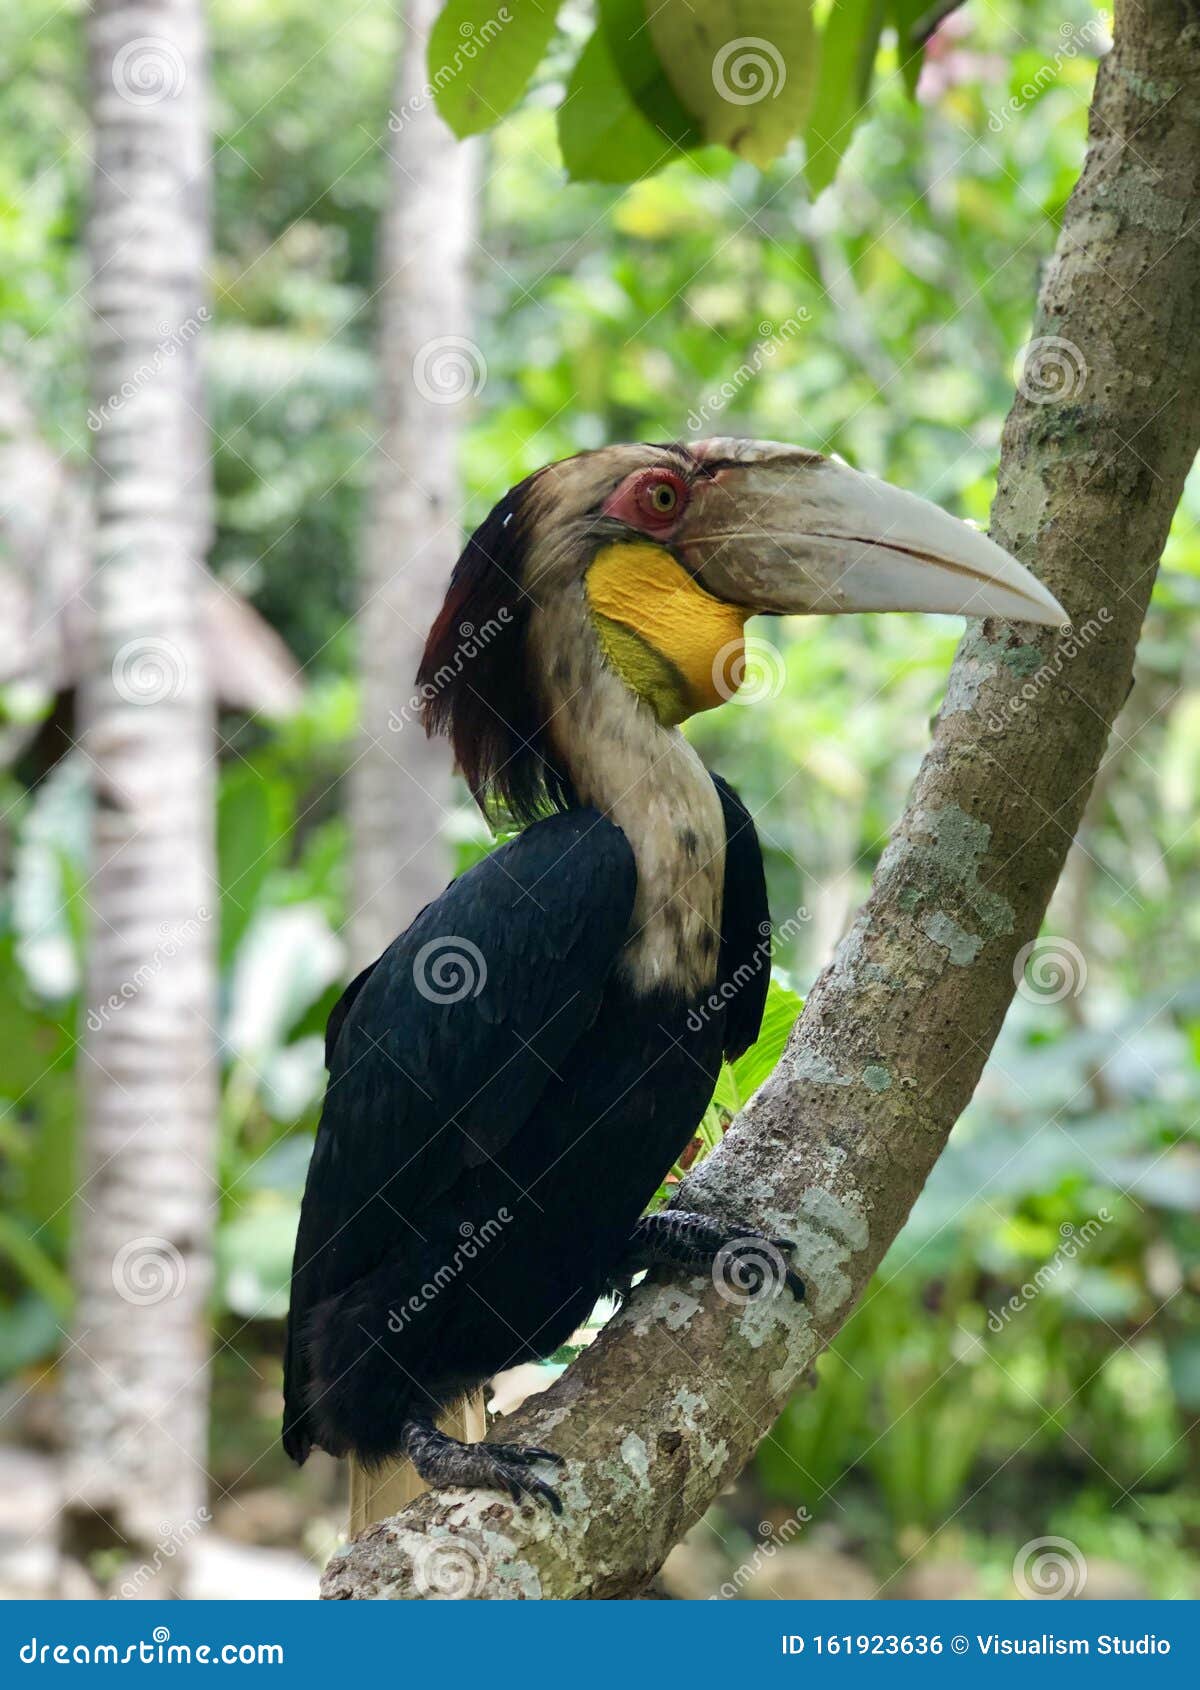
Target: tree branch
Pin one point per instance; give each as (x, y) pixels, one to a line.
(669, 1404)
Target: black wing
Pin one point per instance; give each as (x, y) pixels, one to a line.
(745, 960)
(439, 1052)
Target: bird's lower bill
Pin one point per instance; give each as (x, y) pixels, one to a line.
(790, 533)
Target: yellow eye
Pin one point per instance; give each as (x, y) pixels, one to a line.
(664, 497)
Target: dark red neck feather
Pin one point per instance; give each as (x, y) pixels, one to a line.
(474, 676)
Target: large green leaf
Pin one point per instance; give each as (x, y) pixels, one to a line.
(481, 57)
(253, 822)
(903, 15)
(20, 1247)
(254, 1259)
(601, 133)
(638, 66)
(743, 68)
(758, 1063)
(846, 61)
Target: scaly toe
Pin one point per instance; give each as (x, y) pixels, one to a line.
(524, 1455)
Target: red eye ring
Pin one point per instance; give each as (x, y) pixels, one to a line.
(661, 496)
(650, 500)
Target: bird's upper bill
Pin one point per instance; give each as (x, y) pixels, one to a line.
(779, 530)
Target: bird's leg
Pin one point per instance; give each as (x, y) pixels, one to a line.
(749, 1263)
(441, 1460)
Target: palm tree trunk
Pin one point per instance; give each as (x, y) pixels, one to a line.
(137, 1371)
(428, 369)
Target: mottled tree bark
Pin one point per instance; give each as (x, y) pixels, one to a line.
(136, 1373)
(400, 785)
(666, 1408)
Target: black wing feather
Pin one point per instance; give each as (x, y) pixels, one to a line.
(745, 959)
(340, 1010)
(439, 1051)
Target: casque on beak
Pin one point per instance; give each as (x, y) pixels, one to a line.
(788, 532)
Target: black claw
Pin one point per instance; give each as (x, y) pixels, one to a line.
(512, 1462)
(522, 1485)
(551, 1496)
(522, 1455)
(795, 1285)
(442, 1460)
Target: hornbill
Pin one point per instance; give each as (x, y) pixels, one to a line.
(512, 1079)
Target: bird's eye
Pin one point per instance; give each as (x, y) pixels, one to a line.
(652, 500)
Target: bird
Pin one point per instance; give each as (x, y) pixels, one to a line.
(512, 1079)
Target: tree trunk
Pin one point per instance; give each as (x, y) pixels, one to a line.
(137, 1382)
(668, 1405)
(428, 370)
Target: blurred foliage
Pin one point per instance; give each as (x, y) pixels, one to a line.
(881, 321)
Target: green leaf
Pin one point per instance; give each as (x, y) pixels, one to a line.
(743, 68)
(254, 1258)
(726, 1095)
(39, 1271)
(602, 134)
(481, 57)
(759, 1062)
(253, 819)
(31, 1329)
(903, 15)
(638, 66)
(846, 62)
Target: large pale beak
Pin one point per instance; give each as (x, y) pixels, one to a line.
(788, 532)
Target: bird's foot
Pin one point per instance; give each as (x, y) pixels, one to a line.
(442, 1460)
(745, 1262)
